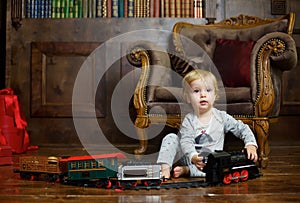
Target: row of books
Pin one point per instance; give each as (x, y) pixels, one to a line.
(114, 8)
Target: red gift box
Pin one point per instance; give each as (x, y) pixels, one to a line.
(6, 121)
(12, 122)
(14, 138)
(5, 155)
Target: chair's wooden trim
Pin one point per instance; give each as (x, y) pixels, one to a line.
(239, 22)
(265, 90)
(139, 98)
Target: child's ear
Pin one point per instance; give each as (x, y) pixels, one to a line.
(186, 98)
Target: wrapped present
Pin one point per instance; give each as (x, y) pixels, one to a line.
(12, 123)
(5, 155)
(14, 138)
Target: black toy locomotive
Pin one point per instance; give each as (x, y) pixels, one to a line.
(226, 167)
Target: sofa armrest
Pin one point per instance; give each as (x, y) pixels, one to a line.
(155, 72)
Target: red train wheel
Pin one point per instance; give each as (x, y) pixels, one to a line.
(108, 185)
(227, 179)
(244, 175)
(135, 184)
(32, 177)
(146, 183)
(236, 177)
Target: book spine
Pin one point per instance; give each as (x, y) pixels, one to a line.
(84, 8)
(109, 8)
(121, 9)
(187, 8)
(71, 9)
(152, 7)
(198, 8)
(28, 9)
(67, 8)
(104, 8)
(94, 8)
(62, 8)
(76, 9)
(126, 8)
(115, 8)
(48, 9)
(162, 8)
(130, 8)
(42, 8)
(147, 8)
(53, 9)
(167, 8)
(79, 9)
(58, 6)
(178, 9)
(157, 8)
(172, 8)
(99, 9)
(34, 8)
(136, 8)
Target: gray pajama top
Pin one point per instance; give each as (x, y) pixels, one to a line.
(210, 137)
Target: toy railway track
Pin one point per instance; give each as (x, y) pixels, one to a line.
(166, 185)
(171, 185)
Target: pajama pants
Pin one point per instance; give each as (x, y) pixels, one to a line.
(170, 152)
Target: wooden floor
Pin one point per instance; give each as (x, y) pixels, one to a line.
(280, 183)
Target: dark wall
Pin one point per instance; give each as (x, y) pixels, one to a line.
(2, 42)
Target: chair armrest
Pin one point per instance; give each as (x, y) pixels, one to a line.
(272, 54)
(156, 71)
(284, 53)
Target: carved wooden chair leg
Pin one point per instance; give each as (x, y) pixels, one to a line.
(262, 132)
(143, 138)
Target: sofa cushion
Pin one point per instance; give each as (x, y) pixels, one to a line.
(232, 59)
(168, 94)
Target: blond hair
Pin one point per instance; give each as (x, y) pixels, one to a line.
(199, 74)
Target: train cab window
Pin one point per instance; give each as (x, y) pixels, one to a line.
(100, 163)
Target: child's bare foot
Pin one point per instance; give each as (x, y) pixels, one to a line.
(166, 171)
(181, 170)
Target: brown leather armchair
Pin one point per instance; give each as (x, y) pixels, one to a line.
(252, 95)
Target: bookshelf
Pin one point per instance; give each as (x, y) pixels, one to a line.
(43, 56)
(41, 9)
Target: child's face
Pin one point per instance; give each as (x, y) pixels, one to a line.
(201, 95)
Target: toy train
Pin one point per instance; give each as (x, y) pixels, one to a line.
(226, 167)
(106, 170)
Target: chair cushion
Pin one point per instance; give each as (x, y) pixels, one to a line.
(174, 94)
(232, 59)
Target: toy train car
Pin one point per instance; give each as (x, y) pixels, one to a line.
(226, 167)
(95, 169)
(131, 172)
(40, 167)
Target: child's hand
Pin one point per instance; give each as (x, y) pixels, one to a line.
(251, 152)
(198, 161)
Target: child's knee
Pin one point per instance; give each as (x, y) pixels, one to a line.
(171, 137)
